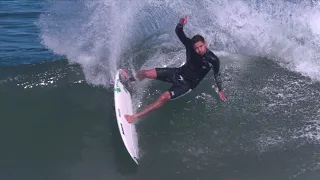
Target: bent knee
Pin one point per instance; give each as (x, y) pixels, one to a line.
(152, 73)
(165, 96)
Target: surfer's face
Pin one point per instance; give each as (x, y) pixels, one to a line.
(200, 47)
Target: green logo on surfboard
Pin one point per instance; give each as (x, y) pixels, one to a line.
(117, 90)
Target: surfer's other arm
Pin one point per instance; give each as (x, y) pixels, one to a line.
(216, 73)
(215, 62)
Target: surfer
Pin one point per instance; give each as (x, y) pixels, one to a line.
(185, 78)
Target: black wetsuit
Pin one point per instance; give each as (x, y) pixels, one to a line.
(188, 76)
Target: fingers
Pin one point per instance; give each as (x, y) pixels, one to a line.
(184, 20)
(181, 21)
(222, 96)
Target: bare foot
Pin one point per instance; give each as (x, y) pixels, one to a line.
(129, 118)
(124, 75)
(140, 76)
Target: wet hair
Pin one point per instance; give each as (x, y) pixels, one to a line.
(197, 38)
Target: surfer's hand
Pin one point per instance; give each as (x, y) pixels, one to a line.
(222, 96)
(183, 21)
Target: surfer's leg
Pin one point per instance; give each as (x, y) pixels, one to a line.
(166, 74)
(177, 91)
(157, 104)
(151, 74)
(162, 74)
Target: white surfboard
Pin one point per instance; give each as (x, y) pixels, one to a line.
(123, 105)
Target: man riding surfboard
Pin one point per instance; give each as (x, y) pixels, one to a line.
(185, 78)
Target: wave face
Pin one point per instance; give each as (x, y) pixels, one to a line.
(105, 35)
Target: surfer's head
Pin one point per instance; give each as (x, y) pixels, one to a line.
(199, 44)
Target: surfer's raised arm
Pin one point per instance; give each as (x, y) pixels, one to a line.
(179, 30)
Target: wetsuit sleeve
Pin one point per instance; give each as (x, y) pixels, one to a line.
(183, 38)
(216, 71)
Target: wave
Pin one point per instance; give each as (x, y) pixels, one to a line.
(104, 35)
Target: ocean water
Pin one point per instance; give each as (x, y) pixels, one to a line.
(57, 64)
